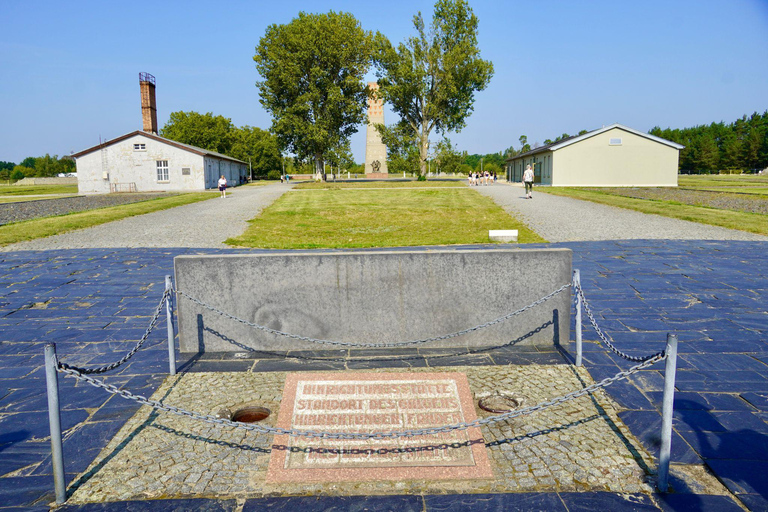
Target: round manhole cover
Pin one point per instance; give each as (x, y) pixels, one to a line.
(500, 403)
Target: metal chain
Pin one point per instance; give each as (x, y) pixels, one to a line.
(603, 337)
(372, 345)
(363, 435)
(135, 349)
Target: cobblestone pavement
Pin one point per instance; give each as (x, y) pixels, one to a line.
(578, 446)
(94, 304)
(564, 219)
(202, 224)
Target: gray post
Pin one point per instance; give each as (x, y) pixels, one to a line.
(667, 411)
(577, 283)
(54, 420)
(171, 335)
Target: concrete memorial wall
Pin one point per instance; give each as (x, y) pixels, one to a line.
(378, 296)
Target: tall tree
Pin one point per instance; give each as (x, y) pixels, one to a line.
(312, 73)
(206, 131)
(431, 79)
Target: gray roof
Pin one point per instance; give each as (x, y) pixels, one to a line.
(577, 138)
(193, 149)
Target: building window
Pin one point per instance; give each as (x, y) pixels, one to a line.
(139, 147)
(162, 170)
(185, 171)
(614, 142)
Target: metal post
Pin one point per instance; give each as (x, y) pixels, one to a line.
(171, 335)
(667, 412)
(54, 420)
(577, 285)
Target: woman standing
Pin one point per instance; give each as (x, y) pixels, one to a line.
(223, 186)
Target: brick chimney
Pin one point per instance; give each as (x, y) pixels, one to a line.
(148, 102)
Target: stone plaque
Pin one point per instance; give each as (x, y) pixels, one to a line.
(377, 402)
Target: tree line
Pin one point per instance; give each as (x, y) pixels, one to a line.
(740, 146)
(37, 167)
(217, 133)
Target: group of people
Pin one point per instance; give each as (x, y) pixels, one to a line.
(481, 178)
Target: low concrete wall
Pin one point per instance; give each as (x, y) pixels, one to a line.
(373, 296)
(46, 181)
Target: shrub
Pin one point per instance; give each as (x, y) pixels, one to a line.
(273, 175)
(17, 173)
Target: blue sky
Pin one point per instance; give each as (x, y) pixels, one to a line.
(70, 69)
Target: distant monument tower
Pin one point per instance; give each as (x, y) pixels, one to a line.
(148, 102)
(375, 150)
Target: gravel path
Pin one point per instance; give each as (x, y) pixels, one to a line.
(203, 224)
(564, 219)
(18, 211)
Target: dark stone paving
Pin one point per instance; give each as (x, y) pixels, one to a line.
(94, 304)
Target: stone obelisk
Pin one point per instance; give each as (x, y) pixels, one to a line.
(375, 150)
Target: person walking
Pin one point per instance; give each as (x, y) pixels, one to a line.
(223, 186)
(528, 182)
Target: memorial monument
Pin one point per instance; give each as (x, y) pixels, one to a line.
(375, 150)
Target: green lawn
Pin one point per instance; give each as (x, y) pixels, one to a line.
(378, 184)
(364, 215)
(696, 203)
(48, 226)
(20, 199)
(14, 190)
(722, 180)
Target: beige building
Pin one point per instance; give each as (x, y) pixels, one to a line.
(612, 156)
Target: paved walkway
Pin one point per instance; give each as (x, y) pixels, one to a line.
(563, 219)
(202, 224)
(94, 303)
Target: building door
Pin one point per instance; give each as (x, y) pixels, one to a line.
(537, 167)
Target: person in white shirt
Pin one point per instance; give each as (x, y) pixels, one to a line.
(528, 182)
(223, 186)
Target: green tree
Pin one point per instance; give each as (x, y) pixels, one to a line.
(206, 131)
(431, 79)
(20, 172)
(341, 159)
(730, 149)
(47, 166)
(706, 153)
(447, 158)
(257, 146)
(28, 162)
(492, 167)
(7, 166)
(524, 146)
(402, 147)
(312, 73)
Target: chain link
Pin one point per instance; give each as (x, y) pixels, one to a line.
(152, 323)
(372, 345)
(362, 435)
(603, 337)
